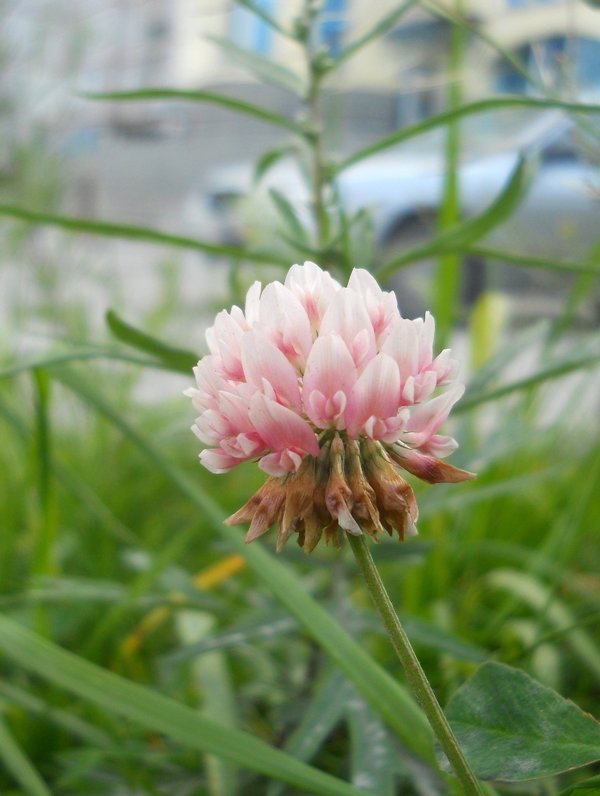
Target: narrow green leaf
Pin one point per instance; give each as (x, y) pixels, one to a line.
(479, 106)
(265, 69)
(51, 360)
(19, 765)
(269, 159)
(274, 626)
(372, 755)
(130, 232)
(177, 359)
(232, 103)
(260, 12)
(212, 679)
(589, 787)
(513, 728)
(64, 719)
(288, 214)
(528, 261)
(387, 696)
(460, 236)
(44, 562)
(157, 712)
(380, 28)
(539, 597)
(446, 285)
(323, 713)
(554, 371)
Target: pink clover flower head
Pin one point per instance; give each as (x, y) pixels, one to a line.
(330, 390)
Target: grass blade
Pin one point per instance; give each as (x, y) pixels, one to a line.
(377, 30)
(271, 21)
(458, 237)
(211, 675)
(269, 71)
(373, 758)
(49, 361)
(527, 261)
(159, 713)
(232, 103)
(324, 712)
(554, 371)
(446, 286)
(479, 106)
(130, 232)
(540, 599)
(176, 359)
(62, 718)
(19, 765)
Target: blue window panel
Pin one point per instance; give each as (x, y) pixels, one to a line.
(251, 32)
(588, 63)
(332, 26)
(523, 3)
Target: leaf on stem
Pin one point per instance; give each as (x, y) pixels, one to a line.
(186, 95)
(479, 106)
(512, 728)
(177, 359)
(265, 69)
(130, 232)
(458, 237)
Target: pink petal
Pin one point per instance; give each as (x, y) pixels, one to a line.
(347, 317)
(382, 306)
(285, 321)
(263, 361)
(209, 384)
(329, 371)
(281, 428)
(252, 305)
(375, 394)
(217, 461)
(280, 464)
(314, 288)
(224, 340)
(446, 368)
(426, 331)
(402, 344)
(440, 446)
(426, 418)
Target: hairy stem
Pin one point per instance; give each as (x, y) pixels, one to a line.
(414, 672)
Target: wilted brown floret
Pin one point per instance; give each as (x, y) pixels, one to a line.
(350, 486)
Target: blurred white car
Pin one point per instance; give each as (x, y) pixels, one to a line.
(558, 218)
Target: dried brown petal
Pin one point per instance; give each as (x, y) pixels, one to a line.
(428, 467)
(338, 495)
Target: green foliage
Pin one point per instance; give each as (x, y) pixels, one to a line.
(513, 728)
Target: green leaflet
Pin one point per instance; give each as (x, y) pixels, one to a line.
(513, 728)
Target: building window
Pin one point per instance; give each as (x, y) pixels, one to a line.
(332, 26)
(557, 61)
(251, 32)
(525, 3)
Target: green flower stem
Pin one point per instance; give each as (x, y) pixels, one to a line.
(414, 672)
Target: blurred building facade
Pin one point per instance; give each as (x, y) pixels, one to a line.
(59, 48)
(173, 43)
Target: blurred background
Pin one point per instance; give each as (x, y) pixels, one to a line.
(451, 147)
